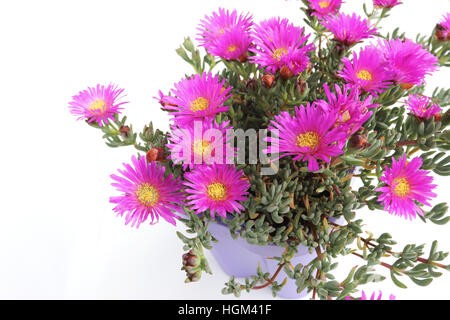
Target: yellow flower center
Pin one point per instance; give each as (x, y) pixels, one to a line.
(401, 187)
(147, 194)
(199, 104)
(232, 48)
(277, 54)
(346, 116)
(201, 146)
(364, 75)
(217, 191)
(98, 104)
(324, 4)
(308, 139)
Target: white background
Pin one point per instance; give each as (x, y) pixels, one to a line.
(58, 235)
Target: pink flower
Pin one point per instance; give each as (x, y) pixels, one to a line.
(408, 62)
(349, 29)
(368, 71)
(351, 111)
(147, 193)
(372, 297)
(202, 142)
(324, 8)
(280, 43)
(217, 189)
(226, 34)
(422, 106)
(405, 185)
(307, 136)
(386, 3)
(197, 98)
(97, 104)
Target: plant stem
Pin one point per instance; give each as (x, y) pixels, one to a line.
(386, 265)
(269, 281)
(406, 143)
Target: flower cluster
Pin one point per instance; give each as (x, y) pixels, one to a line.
(396, 61)
(325, 115)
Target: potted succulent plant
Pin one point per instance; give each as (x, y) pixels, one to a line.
(279, 137)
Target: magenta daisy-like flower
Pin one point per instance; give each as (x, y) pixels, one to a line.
(408, 62)
(368, 71)
(406, 184)
(217, 188)
(99, 104)
(226, 35)
(443, 28)
(372, 297)
(197, 98)
(309, 135)
(349, 29)
(386, 3)
(203, 142)
(278, 44)
(422, 106)
(323, 8)
(147, 193)
(351, 111)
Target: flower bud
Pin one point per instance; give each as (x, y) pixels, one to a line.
(339, 48)
(437, 117)
(251, 84)
(268, 80)
(243, 58)
(286, 73)
(302, 86)
(406, 86)
(124, 131)
(441, 33)
(190, 259)
(192, 266)
(155, 154)
(359, 141)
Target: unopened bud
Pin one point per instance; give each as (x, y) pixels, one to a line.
(190, 259)
(359, 141)
(406, 86)
(191, 265)
(243, 58)
(124, 131)
(155, 154)
(251, 84)
(339, 48)
(441, 33)
(437, 117)
(302, 86)
(286, 73)
(268, 80)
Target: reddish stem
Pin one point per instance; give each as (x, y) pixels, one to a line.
(406, 143)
